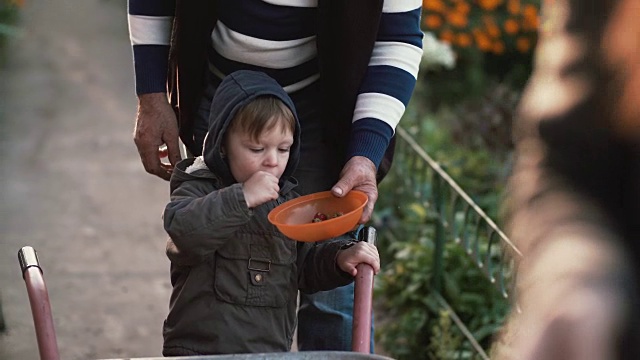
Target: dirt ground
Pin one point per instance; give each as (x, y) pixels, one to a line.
(72, 186)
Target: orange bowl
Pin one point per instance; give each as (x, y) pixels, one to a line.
(294, 218)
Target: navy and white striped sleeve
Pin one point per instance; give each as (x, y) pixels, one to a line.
(390, 79)
(150, 23)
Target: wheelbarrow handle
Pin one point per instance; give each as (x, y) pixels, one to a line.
(363, 298)
(40, 305)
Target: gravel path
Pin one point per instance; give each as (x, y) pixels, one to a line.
(72, 186)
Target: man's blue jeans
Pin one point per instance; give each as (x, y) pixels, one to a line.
(325, 320)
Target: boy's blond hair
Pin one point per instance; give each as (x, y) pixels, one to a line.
(262, 114)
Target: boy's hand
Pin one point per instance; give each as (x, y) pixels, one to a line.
(260, 188)
(361, 252)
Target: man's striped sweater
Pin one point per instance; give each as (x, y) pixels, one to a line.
(278, 37)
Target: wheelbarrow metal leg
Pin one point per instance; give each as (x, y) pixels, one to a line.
(40, 305)
(363, 299)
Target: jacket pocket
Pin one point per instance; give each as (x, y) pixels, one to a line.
(255, 274)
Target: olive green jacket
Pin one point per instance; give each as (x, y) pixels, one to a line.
(235, 278)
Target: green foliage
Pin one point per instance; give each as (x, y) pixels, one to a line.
(463, 119)
(8, 16)
(444, 338)
(406, 289)
(478, 160)
(9, 11)
(404, 285)
(407, 222)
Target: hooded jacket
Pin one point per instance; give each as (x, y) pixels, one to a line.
(235, 277)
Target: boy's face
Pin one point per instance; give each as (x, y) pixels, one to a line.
(269, 153)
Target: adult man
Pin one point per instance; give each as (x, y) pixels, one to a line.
(349, 66)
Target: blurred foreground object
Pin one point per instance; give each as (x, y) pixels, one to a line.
(574, 196)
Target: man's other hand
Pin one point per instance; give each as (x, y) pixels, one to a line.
(156, 125)
(359, 173)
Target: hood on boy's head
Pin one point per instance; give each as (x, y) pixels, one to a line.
(236, 90)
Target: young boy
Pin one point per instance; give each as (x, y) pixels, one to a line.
(235, 277)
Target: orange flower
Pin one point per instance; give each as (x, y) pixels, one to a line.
(433, 21)
(530, 25)
(513, 6)
(18, 3)
(457, 19)
(493, 30)
(498, 48)
(462, 7)
(511, 26)
(434, 5)
(490, 24)
(531, 20)
(447, 36)
(463, 40)
(483, 41)
(530, 11)
(523, 45)
(489, 4)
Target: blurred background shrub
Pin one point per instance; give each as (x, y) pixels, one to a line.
(9, 11)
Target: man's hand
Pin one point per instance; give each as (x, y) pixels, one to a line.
(156, 125)
(359, 173)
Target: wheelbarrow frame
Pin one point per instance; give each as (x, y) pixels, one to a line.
(40, 305)
(362, 310)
